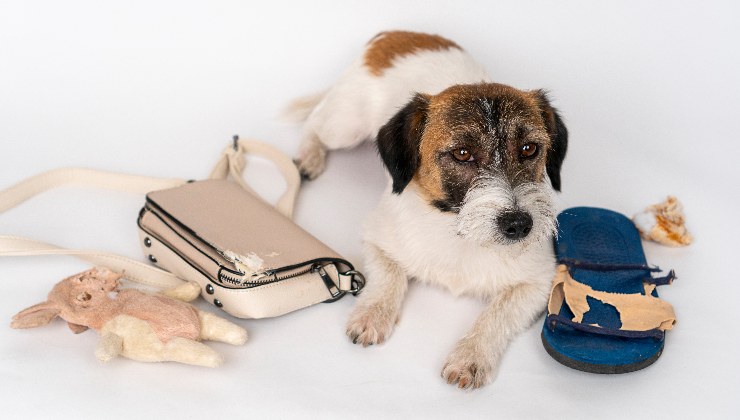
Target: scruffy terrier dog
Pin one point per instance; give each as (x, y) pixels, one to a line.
(473, 165)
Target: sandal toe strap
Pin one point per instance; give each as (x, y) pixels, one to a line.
(553, 320)
(658, 281)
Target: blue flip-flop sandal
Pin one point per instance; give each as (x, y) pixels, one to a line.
(604, 315)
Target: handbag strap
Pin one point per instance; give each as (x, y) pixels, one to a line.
(13, 246)
(231, 165)
(82, 177)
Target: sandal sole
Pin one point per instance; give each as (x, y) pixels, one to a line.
(596, 368)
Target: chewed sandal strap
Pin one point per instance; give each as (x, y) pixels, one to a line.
(637, 312)
(658, 281)
(553, 320)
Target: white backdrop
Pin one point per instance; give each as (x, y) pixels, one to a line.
(649, 92)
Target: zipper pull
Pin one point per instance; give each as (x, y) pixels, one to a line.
(333, 289)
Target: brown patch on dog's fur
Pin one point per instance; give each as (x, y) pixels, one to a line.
(493, 121)
(386, 46)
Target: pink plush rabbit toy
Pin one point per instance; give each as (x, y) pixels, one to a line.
(134, 324)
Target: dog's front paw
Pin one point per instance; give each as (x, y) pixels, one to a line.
(370, 325)
(467, 368)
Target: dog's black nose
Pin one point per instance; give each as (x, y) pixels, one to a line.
(515, 225)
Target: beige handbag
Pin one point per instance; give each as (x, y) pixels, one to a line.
(247, 257)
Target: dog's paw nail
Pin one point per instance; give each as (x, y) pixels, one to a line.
(368, 327)
(473, 369)
(466, 372)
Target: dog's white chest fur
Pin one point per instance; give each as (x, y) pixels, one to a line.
(424, 242)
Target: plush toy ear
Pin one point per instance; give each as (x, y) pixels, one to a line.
(558, 138)
(399, 139)
(35, 316)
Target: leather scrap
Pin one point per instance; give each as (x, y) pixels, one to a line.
(637, 312)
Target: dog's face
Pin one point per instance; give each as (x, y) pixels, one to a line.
(487, 152)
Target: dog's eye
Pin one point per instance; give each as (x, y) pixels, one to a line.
(528, 151)
(463, 155)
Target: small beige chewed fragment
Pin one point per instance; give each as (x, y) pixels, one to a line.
(249, 264)
(664, 223)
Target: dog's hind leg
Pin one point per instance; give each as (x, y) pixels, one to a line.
(340, 118)
(323, 133)
(379, 306)
(473, 361)
(311, 157)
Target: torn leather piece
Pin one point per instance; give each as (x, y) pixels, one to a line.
(250, 264)
(637, 312)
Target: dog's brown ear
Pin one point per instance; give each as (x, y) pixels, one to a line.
(558, 138)
(399, 139)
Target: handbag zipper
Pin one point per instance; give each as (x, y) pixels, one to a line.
(311, 269)
(270, 276)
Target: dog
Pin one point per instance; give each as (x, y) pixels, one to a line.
(472, 165)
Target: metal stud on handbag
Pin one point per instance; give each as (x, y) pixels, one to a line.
(248, 258)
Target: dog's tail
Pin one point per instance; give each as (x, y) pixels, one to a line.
(299, 109)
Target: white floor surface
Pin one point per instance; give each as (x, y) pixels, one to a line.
(649, 92)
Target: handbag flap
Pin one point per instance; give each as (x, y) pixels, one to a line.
(238, 225)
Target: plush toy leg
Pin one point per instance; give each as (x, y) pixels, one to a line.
(191, 352)
(186, 292)
(216, 328)
(137, 340)
(109, 346)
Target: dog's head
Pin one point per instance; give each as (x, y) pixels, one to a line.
(487, 152)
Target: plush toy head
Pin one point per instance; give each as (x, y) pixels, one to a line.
(73, 299)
